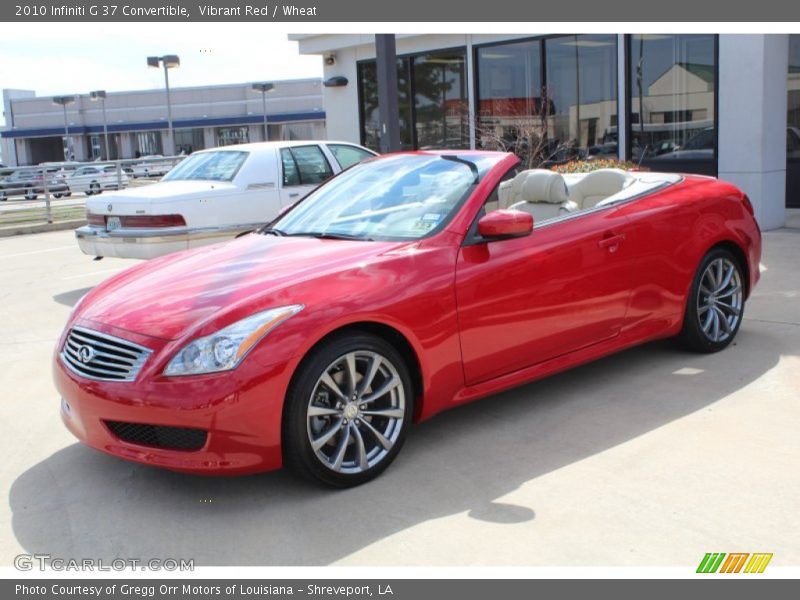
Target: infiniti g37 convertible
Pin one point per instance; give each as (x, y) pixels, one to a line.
(404, 286)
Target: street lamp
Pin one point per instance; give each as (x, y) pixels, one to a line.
(264, 88)
(63, 101)
(101, 95)
(169, 61)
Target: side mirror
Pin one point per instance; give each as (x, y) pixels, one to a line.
(501, 224)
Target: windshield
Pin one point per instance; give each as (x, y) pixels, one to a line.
(216, 166)
(396, 197)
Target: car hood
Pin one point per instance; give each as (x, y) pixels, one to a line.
(168, 296)
(162, 192)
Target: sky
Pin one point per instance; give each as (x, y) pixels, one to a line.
(112, 56)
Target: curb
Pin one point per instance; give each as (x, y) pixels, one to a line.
(41, 228)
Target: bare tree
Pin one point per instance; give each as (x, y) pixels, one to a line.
(521, 126)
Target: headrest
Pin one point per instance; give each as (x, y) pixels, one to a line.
(541, 185)
(605, 181)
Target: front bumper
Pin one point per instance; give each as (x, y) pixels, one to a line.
(150, 243)
(240, 410)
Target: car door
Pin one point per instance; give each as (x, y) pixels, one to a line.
(526, 300)
(303, 169)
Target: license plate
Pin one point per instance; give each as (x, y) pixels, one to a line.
(113, 223)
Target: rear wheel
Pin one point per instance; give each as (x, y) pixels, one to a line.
(94, 188)
(347, 411)
(715, 305)
(30, 194)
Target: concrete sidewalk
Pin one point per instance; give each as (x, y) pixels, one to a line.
(650, 457)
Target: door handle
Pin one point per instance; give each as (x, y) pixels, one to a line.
(611, 241)
(294, 195)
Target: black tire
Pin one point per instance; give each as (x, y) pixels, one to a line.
(699, 327)
(3, 196)
(362, 455)
(30, 194)
(57, 194)
(94, 188)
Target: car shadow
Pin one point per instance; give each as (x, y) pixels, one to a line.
(71, 297)
(82, 503)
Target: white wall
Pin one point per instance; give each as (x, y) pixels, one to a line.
(752, 120)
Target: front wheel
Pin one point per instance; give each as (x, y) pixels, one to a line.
(715, 305)
(30, 194)
(347, 411)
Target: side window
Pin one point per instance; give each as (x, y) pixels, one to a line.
(347, 156)
(290, 173)
(493, 199)
(312, 165)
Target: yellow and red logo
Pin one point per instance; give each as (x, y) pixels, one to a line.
(735, 562)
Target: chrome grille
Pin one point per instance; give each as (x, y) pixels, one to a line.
(103, 357)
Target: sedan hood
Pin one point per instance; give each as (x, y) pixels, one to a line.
(165, 297)
(140, 199)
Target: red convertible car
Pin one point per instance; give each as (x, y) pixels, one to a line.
(404, 286)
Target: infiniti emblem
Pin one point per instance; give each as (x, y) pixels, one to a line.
(85, 354)
(109, 207)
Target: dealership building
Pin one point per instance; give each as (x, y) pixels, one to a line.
(722, 105)
(37, 129)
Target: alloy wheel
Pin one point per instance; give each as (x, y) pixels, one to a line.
(356, 412)
(719, 299)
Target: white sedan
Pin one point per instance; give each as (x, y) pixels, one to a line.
(211, 196)
(94, 179)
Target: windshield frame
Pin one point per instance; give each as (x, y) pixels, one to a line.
(468, 159)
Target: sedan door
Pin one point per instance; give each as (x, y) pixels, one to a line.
(526, 300)
(303, 169)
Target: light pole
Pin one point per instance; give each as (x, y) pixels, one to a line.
(169, 61)
(264, 88)
(63, 101)
(101, 95)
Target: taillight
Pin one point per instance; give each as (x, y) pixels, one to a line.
(748, 205)
(94, 219)
(152, 221)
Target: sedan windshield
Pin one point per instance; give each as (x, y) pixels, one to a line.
(396, 197)
(216, 166)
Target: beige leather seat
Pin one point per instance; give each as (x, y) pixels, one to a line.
(598, 185)
(539, 192)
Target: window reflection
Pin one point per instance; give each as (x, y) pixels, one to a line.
(672, 102)
(793, 125)
(566, 111)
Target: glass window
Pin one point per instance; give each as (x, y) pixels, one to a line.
(148, 143)
(581, 91)
(509, 93)
(189, 140)
(347, 156)
(432, 101)
(672, 124)
(228, 136)
(440, 101)
(291, 176)
(307, 167)
(216, 166)
(368, 94)
(547, 116)
(793, 125)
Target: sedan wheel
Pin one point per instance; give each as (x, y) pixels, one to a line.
(30, 194)
(716, 303)
(349, 411)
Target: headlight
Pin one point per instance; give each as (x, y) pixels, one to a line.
(225, 349)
